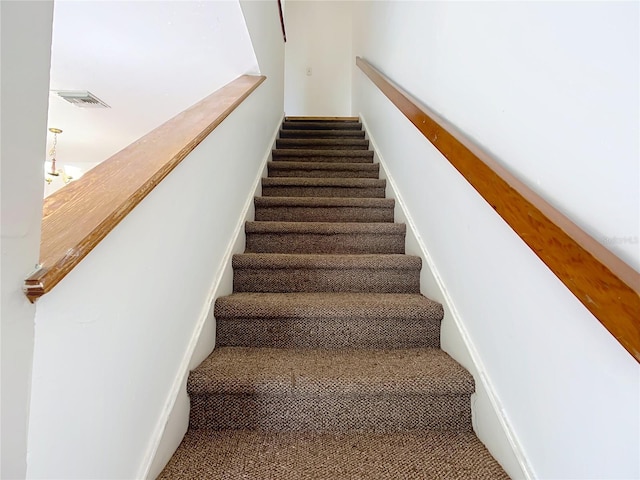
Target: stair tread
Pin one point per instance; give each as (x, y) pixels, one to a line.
(324, 209)
(323, 182)
(318, 320)
(349, 166)
(324, 141)
(326, 228)
(323, 169)
(320, 372)
(391, 261)
(314, 118)
(328, 306)
(325, 133)
(242, 454)
(314, 152)
(324, 237)
(325, 202)
(320, 124)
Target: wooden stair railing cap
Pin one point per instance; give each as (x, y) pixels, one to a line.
(77, 217)
(606, 286)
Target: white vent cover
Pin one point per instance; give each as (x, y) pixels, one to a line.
(82, 98)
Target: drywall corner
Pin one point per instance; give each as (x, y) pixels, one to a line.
(26, 52)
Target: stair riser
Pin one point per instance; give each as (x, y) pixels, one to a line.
(321, 133)
(316, 243)
(323, 214)
(326, 280)
(313, 118)
(292, 156)
(321, 125)
(341, 192)
(327, 333)
(336, 413)
(317, 145)
(312, 172)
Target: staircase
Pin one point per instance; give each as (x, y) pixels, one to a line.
(327, 362)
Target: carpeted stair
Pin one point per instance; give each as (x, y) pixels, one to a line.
(327, 362)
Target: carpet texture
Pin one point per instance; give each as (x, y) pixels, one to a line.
(323, 169)
(321, 125)
(329, 143)
(291, 133)
(256, 455)
(301, 209)
(328, 320)
(323, 187)
(326, 155)
(275, 272)
(324, 237)
(327, 362)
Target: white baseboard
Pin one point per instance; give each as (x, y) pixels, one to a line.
(490, 423)
(173, 422)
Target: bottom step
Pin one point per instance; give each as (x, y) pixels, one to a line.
(242, 454)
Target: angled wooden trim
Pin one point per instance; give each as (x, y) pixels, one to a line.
(77, 217)
(606, 286)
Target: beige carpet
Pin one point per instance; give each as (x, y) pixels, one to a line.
(327, 363)
(247, 455)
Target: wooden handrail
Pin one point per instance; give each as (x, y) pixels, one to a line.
(606, 286)
(284, 33)
(77, 217)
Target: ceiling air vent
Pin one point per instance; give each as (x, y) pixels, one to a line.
(82, 98)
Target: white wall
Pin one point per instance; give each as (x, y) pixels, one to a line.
(551, 90)
(25, 43)
(147, 60)
(263, 26)
(114, 338)
(318, 37)
(111, 337)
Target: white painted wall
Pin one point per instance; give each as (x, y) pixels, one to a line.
(263, 24)
(114, 339)
(147, 60)
(487, 421)
(319, 38)
(264, 28)
(25, 44)
(551, 90)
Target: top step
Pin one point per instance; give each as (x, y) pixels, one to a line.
(321, 125)
(322, 119)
